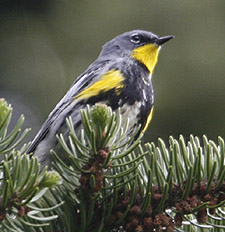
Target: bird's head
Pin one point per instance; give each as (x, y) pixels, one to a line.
(140, 45)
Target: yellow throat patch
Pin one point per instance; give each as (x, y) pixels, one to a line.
(147, 55)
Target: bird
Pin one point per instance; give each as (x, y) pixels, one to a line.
(120, 77)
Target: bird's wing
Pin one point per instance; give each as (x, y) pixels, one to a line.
(91, 75)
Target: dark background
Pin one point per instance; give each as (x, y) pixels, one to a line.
(46, 44)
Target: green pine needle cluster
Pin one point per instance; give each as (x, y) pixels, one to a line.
(111, 183)
(23, 186)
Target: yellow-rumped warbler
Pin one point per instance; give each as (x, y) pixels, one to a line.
(119, 77)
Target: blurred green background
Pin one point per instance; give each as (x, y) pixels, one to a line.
(46, 44)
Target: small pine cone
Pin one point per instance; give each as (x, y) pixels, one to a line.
(178, 219)
(202, 215)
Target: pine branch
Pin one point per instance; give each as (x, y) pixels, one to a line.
(23, 185)
(116, 186)
(112, 183)
(9, 141)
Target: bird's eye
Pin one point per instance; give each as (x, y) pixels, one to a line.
(136, 39)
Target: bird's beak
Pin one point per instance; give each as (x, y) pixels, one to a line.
(160, 41)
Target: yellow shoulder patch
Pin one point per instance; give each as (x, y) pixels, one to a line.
(147, 55)
(148, 120)
(113, 79)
